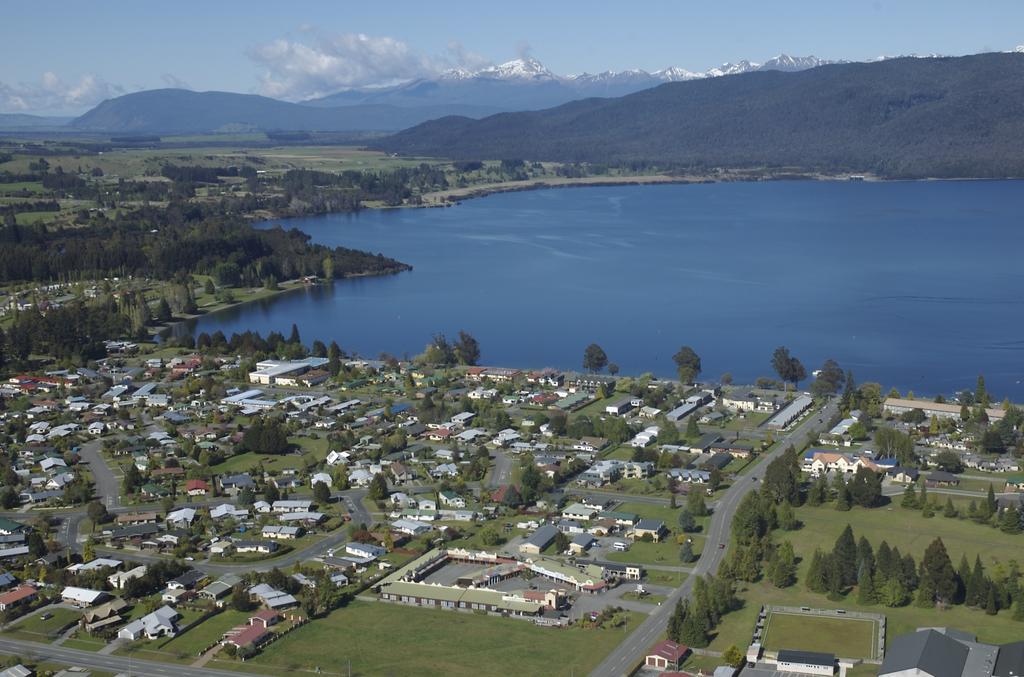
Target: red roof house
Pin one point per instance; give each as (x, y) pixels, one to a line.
(666, 655)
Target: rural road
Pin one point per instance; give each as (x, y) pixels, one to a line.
(630, 652)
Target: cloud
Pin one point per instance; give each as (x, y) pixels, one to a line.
(326, 63)
(173, 81)
(53, 95)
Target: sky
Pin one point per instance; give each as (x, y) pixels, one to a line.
(64, 57)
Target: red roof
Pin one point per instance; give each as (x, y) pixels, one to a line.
(252, 634)
(18, 594)
(265, 615)
(669, 650)
(196, 484)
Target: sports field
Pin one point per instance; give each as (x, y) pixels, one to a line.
(844, 637)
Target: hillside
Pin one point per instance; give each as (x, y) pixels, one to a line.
(168, 111)
(950, 117)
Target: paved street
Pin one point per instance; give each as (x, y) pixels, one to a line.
(631, 651)
(112, 664)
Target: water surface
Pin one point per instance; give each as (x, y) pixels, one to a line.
(917, 284)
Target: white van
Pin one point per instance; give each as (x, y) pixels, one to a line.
(620, 546)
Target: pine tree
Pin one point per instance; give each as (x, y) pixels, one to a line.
(686, 552)
(787, 518)
(865, 555)
(694, 630)
(991, 607)
(1009, 521)
(991, 505)
(834, 578)
(866, 587)
(843, 499)
(893, 593)
(928, 511)
(815, 578)
(845, 554)
(884, 562)
(734, 657)
(675, 621)
(922, 498)
(937, 576)
(696, 505)
(782, 568)
(818, 492)
(974, 583)
(692, 429)
(1018, 609)
(909, 498)
(950, 509)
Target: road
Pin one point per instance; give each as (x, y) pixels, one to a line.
(502, 473)
(111, 664)
(107, 484)
(630, 652)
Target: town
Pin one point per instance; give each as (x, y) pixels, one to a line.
(250, 510)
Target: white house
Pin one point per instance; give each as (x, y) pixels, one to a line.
(160, 623)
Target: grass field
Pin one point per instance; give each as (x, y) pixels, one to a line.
(386, 639)
(34, 629)
(904, 528)
(194, 640)
(844, 637)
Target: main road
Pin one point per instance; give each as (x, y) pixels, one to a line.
(630, 652)
(107, 663)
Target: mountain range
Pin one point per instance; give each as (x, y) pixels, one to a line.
(896, 117)
(526, 84)
(521, 84)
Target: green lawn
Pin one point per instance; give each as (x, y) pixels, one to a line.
(652, 511)
(670, 578)
(434, 642)
(34, 629)
(198, 638)
(666, 552)
(904, 528)
(84, 642)
(845, 637)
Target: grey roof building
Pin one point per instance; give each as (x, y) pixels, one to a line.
(945, 652)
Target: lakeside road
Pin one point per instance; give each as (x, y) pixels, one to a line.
(630, 652)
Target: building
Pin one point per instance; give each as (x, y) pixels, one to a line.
(83, 597)
(806, 662)
(160, 623)
(649, 527)
(23, 594)
(945, 652)
(465, 599)
(790, 413)
(286, 373)
(666, 655)
(897, 406)
(539, 539)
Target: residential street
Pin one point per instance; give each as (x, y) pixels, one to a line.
(631, 651)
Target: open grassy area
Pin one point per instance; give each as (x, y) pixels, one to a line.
(198, 638)
(904, 528)
(434, 642)
(642, 552)
(845, 637)
(34, 629)
(652, 511)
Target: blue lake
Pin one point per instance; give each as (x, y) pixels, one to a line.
(917, 285)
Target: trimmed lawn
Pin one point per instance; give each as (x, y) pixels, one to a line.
(196, 639)
(658, 577)
(666, 552)
(84, 643)
(34, 629)
(248, 460)
(434, 642)
(845, 637)
(650, 511)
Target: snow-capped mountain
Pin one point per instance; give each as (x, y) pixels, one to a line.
(525, 84)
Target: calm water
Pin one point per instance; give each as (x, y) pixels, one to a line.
(917, 285)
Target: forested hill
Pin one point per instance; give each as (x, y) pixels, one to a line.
(168, 111)
(941, 117)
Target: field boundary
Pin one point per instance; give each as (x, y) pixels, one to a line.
(877, 621)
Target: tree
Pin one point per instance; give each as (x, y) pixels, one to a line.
(97, 513)
(866, 487)
(981, 393)
(594, 358)
(734, 657)
(909, 498)
(787, 517)
(378, 490)
(467, 349)
(489, 536)
(815, 578)
(829, 380)
(781, 569)
(561, 542)
(891, 443)
(687, 524)
(687, 364)
(937, 576)
(694, 630)
(240, 600)
(321, 493)
(686, 552)
(714, 479)
(789, 368)
(692, 429)
(782, 478)
(695, 504)
(845, 553)
(132, 479)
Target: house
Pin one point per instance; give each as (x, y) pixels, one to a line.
(23, 594)
(619, 406)
(197, 487)
(649, 527)
(580, 543)
(409, 527)
(806, 662)
(897, 406)
(233, 484)
(322, 478)
(18, 670)
(283, 533)
(261, 547)
(578, 511)
(83, 597)
(365, 550)
(216, 591)
(119, 579)
(452, 500)
(8, 527)
(790, 413)
(271, 597)
(904, 475)
(104, 615)
(666, 655)
(539, 540)
(187, 581)
(225, 510)
(160, 623)
(181, 518)
(1015, 483)
(286, 506)
(940, 478)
